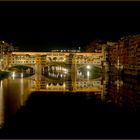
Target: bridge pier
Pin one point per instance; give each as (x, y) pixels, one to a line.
(38, 69)
(73, 77)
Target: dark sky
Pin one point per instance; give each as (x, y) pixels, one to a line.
(42, 26)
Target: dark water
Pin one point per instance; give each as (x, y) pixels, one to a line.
(86, 106)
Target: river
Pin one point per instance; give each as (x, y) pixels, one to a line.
(14, 91)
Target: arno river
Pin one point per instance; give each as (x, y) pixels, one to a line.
(123, 93)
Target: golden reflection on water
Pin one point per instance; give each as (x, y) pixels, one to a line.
(1, 104)
(15, 91)
(13, 94)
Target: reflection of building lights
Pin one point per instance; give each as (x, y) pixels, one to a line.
(1, 105)
(21, 75)
(88, 67)
(66, 70)
(13, 75)
(88, 73)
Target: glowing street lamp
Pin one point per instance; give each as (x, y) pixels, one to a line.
(88, 67)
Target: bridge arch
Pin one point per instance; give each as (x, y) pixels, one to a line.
(88, 66)
(22, 68)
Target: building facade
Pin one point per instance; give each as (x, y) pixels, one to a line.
(5, 54)
(124, 55)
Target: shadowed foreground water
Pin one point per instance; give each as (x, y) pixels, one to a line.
(70, 115)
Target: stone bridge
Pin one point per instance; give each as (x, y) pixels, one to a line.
(39, 60)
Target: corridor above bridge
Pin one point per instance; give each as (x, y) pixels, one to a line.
(33, 58)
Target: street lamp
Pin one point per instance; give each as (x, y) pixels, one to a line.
(88, 67)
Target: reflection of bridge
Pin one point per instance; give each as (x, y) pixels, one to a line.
(65, 86)
(95, 86)
(39, 60)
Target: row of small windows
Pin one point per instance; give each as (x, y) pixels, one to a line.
(96, 62)
(94, 83)
(24, 56)
(23, 62)
(23, 59)
(55, 58)
(89, 60)
(55, 54)
(87, 57)
(87, 87)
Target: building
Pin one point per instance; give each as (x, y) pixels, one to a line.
(113, 58)
(129, 54)
(5, 52)
(124, 55)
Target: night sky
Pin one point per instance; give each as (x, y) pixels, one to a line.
(42, 26)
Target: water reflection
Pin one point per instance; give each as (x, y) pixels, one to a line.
(13, 94)
(88, 72)
(57, 72)
(124, 92)
(1, 104)
(14, 91)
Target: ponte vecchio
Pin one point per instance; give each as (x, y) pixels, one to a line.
(39, 62)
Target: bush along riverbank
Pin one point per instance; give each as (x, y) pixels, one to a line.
(4, 74)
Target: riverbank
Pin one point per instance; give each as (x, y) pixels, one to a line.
(4, 74)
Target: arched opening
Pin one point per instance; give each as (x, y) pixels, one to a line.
(22, 71)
